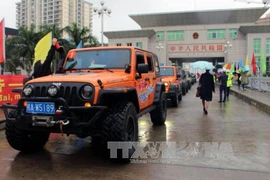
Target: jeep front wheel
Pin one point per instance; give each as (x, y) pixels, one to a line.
(184, 91)
(158, 116)
(174, 100)
(25, 141)
(180, 97)
(124, 127)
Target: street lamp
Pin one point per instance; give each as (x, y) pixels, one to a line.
(159, 47)
(103, 10)
(227, 47)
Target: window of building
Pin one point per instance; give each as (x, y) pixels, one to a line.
(129, 44)
(118, 44)
(267, 45)
(216, 34)
(139, 45)
(233, 33)
(175, 35)
(160, 36)
(257, 45)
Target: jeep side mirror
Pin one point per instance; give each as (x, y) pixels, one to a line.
(142, 68)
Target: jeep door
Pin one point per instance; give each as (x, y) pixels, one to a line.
(176, 72)
(143, 85)
(151, 77)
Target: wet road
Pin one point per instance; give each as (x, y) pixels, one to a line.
(231, 142)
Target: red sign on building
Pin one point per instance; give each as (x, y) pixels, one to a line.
(186, 48)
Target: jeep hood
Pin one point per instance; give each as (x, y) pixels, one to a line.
(105, 77)
(167, 78)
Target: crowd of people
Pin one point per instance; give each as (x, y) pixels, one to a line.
(224, 78)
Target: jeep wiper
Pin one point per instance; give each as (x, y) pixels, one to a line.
(101, 68)
(74, 69)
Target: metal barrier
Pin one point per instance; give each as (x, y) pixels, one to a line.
(259, 83)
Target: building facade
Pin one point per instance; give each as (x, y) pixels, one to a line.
(60, 12)
(217, 36)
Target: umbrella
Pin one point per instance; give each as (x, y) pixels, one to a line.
(202, 65)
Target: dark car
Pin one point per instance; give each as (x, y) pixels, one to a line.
(184, 82)
(193, 77)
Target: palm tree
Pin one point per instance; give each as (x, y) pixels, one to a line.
(26, 42)
(77, 34)
(12, 56)
(56, 31)
(93, 42)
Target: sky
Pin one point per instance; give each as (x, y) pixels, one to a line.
(121, 9)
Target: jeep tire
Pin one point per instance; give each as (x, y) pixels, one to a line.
(158, 115)
(174, 100)
(124, 127)
(25, 141)
(180, 97)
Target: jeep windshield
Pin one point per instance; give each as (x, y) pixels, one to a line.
(98, 59)
(166, 71)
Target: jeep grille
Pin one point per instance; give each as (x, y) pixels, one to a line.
(68, 91)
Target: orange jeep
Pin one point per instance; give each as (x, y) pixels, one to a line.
(101, 93)
(171, 78)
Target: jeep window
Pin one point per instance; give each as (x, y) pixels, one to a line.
(92, 59)
(166, 71)
(150, 63)
(157, 68)
(139, 59)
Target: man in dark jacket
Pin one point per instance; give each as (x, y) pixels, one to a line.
(223, 86)
(207, 87)
(44, 68)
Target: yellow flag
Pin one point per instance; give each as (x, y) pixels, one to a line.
(42, 48)
(246, 63)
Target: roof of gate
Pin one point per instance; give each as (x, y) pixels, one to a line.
(226, 16)
(129, 34)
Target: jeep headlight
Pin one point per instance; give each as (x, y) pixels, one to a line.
(28, 90)
(166, 84)
(86, 91)
(53, 90)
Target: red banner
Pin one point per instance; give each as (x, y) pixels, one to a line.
(7, 83)
(2, 41)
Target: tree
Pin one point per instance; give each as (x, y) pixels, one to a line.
(93, 42)
(26, 42)
(76, 34)
(13, 60)
(56, 31)
(20, 49)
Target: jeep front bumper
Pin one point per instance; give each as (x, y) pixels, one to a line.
(52, 122)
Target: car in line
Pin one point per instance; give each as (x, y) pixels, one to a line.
(171, 77)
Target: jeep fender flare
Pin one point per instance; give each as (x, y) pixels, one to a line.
(160, 87)
(174, 88)
(114, 95)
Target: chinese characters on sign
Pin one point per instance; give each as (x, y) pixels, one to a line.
(186, 48)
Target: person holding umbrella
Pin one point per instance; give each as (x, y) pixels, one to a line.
(207, 87)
